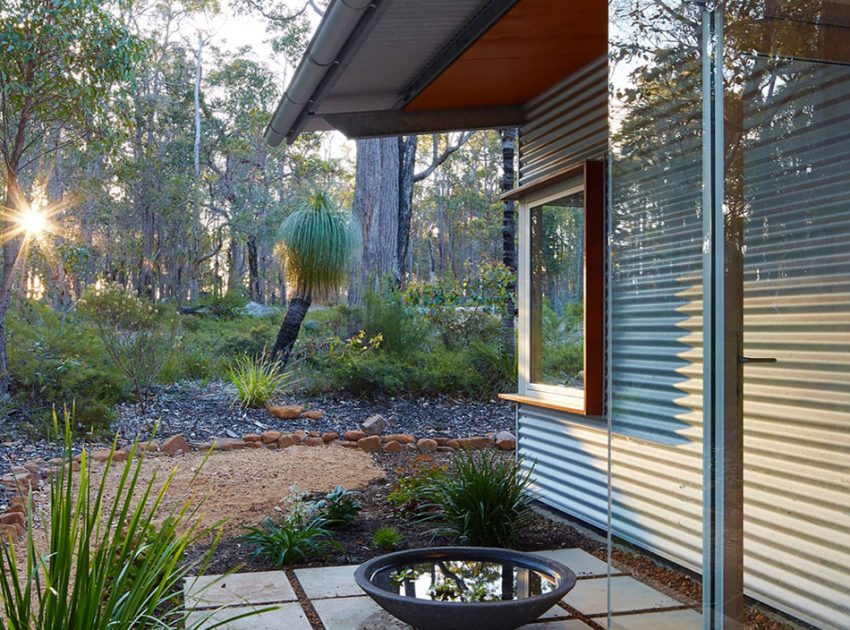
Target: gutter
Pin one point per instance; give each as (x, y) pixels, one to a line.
(336, 27)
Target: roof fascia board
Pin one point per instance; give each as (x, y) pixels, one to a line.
(480, 24)
(396, 123)
(342, 19)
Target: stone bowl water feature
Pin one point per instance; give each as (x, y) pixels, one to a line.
(459, 588)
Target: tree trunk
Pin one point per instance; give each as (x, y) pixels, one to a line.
(289, 329)
(255, 289)
(11, 249)
(376, 206)
(407, 162)
(509, 138)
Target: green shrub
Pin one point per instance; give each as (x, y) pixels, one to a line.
(387, 539)
(400, 327)
(138, 341)
(298, 537)
(227, 305)
(58, 360)
(407, 490)
(483, 500)
(338, 508)
(107, 564)
(257, 380)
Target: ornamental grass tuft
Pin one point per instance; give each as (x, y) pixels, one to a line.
(257, 380)
(107, 562)
(483, 499)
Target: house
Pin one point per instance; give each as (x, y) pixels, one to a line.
(684, 197)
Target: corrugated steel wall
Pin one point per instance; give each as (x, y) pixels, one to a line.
(569, 124)
(797, 412)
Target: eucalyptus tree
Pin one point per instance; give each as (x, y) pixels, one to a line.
(60, 66)
(319, 241)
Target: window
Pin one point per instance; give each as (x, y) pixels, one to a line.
(561, 292)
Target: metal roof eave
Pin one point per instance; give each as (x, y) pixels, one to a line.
(335, 29)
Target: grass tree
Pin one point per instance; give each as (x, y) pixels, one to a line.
(318, 241)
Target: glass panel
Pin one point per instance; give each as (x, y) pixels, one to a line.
(557, 294)
(787, 91)
(655, 306)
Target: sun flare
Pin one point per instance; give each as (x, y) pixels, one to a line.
(33, 221)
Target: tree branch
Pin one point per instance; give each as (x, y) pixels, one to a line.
(442, 157)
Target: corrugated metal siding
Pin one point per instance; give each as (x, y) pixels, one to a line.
(797, 412)
(567, 124)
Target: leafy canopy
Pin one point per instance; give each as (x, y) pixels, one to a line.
(59, 64)
(319, 241)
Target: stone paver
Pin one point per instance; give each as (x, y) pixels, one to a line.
(289, 616)
(627, 594)
(326, 582)
(355, 613)
(582, 563)
(669, 620)
(565, 624)
(341, 604)
(211, 591)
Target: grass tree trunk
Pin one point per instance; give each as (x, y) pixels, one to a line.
(289, 329)
(509, 138)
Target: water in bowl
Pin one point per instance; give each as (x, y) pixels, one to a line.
(463, 581)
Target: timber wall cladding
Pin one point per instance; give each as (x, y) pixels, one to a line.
(797, 413)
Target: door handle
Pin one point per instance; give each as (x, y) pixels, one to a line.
(743, 360)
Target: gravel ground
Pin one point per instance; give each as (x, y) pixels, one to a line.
(202, 411)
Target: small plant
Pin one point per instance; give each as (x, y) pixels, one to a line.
(338, 508)
(257, 380)
(406, 493)
(387, 538)
(483, 500)
(299, 536)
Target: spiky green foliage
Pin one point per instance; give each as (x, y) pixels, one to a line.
(257, 380)
(109, 563)
(296, 538)
(387, 538)
(318, 241)
(483, 499)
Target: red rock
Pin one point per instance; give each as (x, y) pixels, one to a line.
(442, 441)
(285, 412)
(314, 414)
(176, 444)
(474, 443)
(452, 444)
(330, 436)
(370, 444)
(313, 441)
(314, 434)
(427, 445)
(100, 455)
(285, 441)
(11, 531)
(348, 444)
(13, 518)
(300, 434)
(271, 436)
(273, 445)
(393, 447)
(252, 437)
(353, 435)
(401, 438)
(253, 444)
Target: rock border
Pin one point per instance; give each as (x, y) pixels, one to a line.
(369, 438)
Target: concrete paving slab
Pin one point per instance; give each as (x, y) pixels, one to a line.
(212, 591)
(326, 582)
(355, 613)
(627, 594)
(582, 563)
(687, 619)
(289, 616)
(564, 624)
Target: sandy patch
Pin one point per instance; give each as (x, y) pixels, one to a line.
(241, 487)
